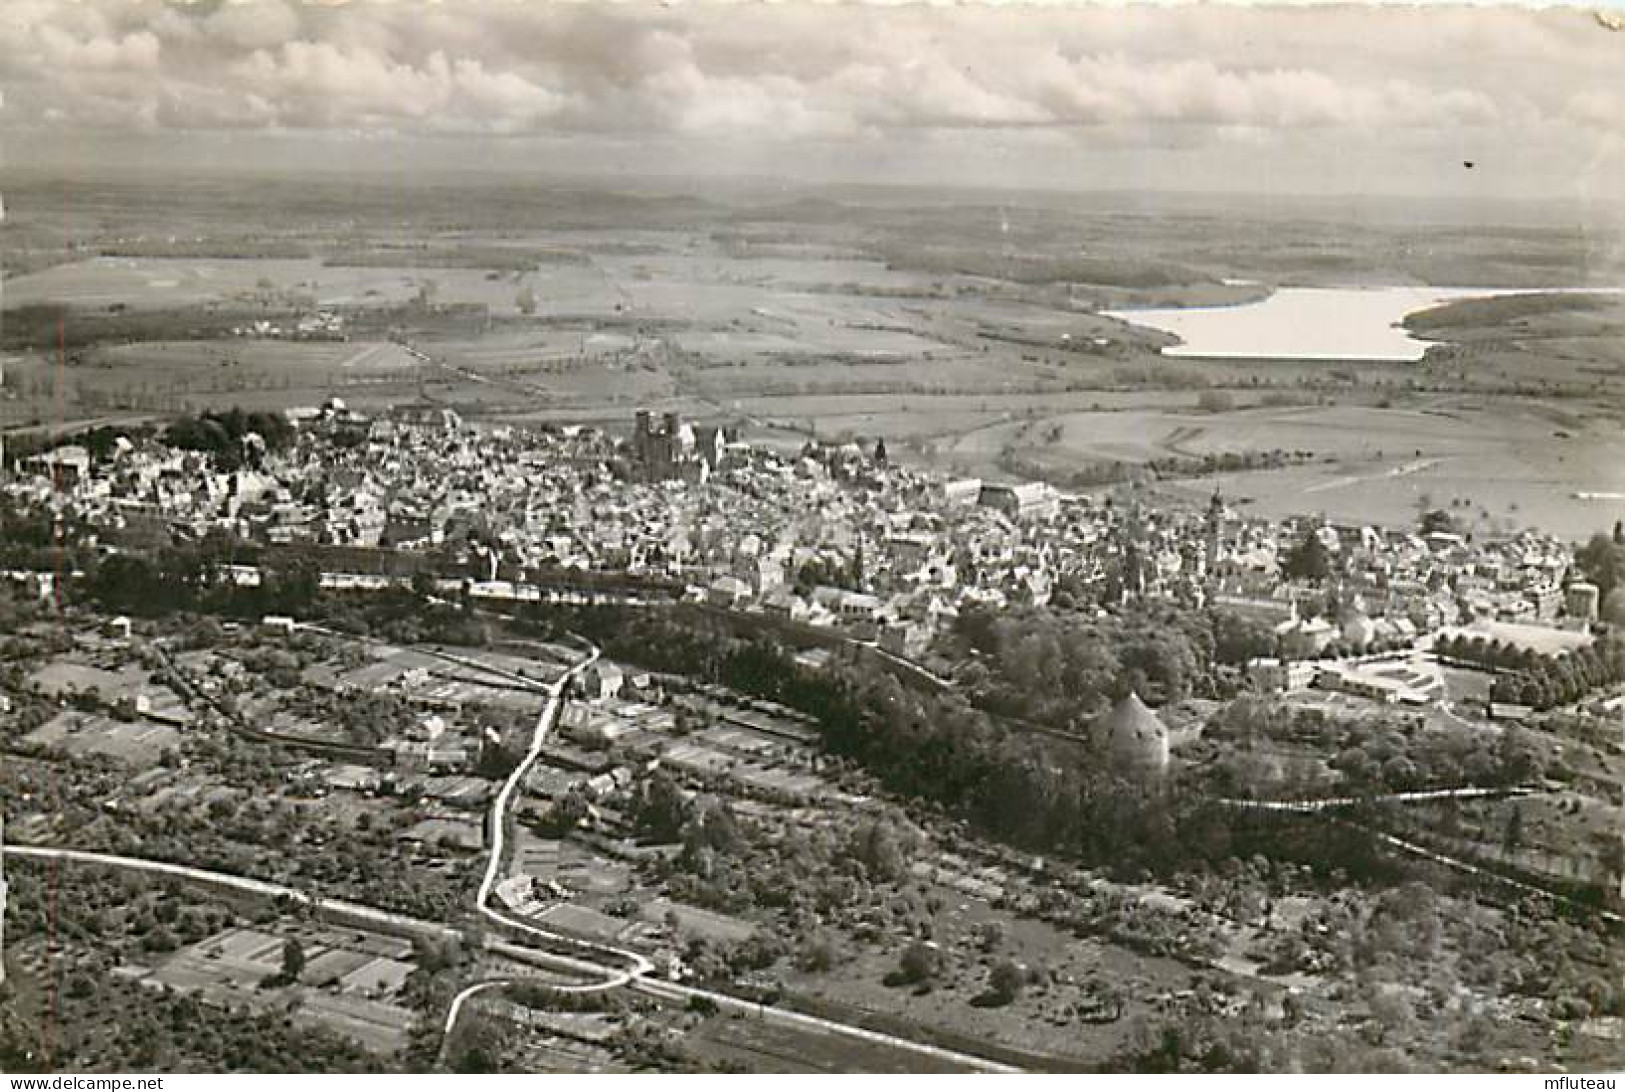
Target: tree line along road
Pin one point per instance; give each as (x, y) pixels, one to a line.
(612, 967)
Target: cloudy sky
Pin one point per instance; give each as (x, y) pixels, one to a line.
(1314, 99)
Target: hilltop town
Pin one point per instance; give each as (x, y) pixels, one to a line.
(688, 722)
(647, 538)
(834, 535)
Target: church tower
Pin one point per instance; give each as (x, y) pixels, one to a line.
(1135, 562)
(1215, 532)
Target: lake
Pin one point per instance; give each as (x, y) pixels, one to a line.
(1305, 323)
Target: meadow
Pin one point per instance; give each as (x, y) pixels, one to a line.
(967, 332)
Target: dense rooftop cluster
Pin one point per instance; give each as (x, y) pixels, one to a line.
(832, 535)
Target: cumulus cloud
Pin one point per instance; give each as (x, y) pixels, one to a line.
(249, 26)
(792, 71)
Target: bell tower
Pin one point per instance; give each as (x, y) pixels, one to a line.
(1214, 538)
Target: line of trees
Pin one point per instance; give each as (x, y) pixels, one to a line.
(1602, 559)
(1542, 680)
(188, 577)
(1060, 669)
(1024, 788)
(223, 434)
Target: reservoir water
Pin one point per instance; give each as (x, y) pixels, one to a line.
(1305, 323)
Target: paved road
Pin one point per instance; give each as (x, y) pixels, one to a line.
(673, 991)
(625, 967)
(250, 576)
(461, 999)
(906, 664)
(638, 969)
(635, 964)
(386, 919)
(1418, 850)
(1328, 803)
(517, 679)
(1474, 870)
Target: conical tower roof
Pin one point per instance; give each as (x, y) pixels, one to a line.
(1135, 739)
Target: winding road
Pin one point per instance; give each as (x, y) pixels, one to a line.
(607, 966)
(456, 1008)
(385, 919)
(638, 969)
(501, 805)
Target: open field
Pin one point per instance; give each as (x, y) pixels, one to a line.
(573, 866)
(714, 287)
(968, 333)
(166, 376)
(153, 282)
(1494, 463)
(1496, 466)
(297, 363)
(348, 984)
(63, 676)
(138, 744)
(222, 366)
(762, 1047)
(1042, 1019)
(1345, 433)
(1532, 315)
(167, 282)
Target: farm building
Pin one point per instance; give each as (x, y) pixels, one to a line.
(602, 680)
